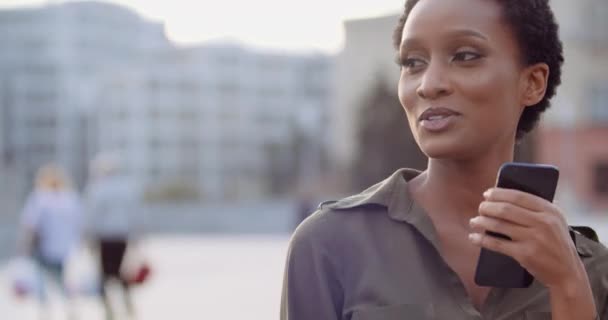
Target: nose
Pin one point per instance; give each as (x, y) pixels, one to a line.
(434, 83)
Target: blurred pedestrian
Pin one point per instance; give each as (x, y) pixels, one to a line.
(51, 224)
(111, 204)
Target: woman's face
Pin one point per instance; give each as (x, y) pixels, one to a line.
(461, 79)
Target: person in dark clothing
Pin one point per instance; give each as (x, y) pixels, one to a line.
(111, 201)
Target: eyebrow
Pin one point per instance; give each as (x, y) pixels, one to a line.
(408, 42)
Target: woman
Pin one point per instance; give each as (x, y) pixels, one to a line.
(475, 77)
(51, 226)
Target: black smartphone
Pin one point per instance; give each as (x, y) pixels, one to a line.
(498, 270)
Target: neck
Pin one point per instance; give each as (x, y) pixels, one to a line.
(453, 189)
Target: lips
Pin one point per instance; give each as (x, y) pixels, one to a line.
(437, 119)
(432, 114)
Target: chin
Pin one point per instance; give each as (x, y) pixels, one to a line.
(448, 148)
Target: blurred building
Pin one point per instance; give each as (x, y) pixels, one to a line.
(217, 121)
(7, 187)
(212, 122)
(574, 132)
(49, 65)
(368, 56)
(148, 115)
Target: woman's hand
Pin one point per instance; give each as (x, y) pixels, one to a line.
(541, 243)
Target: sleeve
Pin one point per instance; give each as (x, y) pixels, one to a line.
(311, 288)
(602, 298)
(603, 307)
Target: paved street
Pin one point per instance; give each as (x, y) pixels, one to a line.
(202, 277)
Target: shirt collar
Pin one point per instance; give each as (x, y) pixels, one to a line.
(392, 193)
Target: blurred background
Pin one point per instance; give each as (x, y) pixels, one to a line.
(235, 119)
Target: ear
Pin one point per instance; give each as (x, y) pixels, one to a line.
(534, 84)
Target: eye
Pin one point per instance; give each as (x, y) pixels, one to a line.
(466, 56)
(411, 64)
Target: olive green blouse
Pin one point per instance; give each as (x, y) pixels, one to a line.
(375, 256)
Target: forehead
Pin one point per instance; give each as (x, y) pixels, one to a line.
(429, 18)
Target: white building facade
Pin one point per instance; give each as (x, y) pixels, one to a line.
(49, 70)
(217, 120)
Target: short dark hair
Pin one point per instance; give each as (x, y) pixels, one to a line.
(536, 31)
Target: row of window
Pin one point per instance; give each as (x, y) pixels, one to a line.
(600, 179)
(598, 104)
(597, 20)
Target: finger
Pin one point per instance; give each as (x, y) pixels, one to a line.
(516, 232)
(529, 255)
(504, 246)
(509, 212)
(519, 198)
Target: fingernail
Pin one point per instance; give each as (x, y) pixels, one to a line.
(475, 237)
(473, 221)
(487, 193)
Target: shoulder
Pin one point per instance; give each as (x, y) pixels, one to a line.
(72, 196)
(318, 229)
(33, 197)
(38, 199)
(333, 229)
(333, 216)
(349, 222)
(593, 253)
(595, 258)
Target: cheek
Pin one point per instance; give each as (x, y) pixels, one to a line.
(407, 97)
(407, 94)
(495, 95)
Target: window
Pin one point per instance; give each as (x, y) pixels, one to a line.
(154, 144)
(187, 87)
(601, 178)
(154, 112)
(228, 88)
(598, 22)
(229, 114)
(153, 85)
(120, 114)
(598, 103)
(154, 172)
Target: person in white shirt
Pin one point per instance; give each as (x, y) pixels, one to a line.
(51, 225)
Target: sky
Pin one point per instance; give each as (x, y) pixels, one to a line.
(278, 24)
